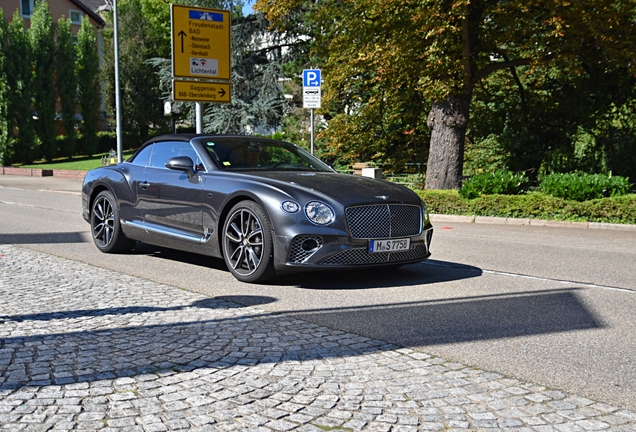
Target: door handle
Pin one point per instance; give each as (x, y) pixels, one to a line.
(144, 184)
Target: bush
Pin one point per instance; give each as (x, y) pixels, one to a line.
(498, 182)
(533, 205)
(106, 141)
(584, 187)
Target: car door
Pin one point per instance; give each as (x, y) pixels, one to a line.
(170, 200)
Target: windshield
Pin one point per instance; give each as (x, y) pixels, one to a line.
(253, 153)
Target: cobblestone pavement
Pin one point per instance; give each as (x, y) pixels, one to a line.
(87, 348)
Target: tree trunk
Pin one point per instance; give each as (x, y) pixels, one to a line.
(448, 121)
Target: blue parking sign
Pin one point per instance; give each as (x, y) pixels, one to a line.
(311, 78)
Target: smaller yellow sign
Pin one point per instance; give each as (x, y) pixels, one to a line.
(198, 91)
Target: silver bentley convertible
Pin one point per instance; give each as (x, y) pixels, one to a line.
(266, 207)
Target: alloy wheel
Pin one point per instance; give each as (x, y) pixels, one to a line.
(244, 242)
(103, 223)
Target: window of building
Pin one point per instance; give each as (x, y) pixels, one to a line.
(26, 8)
(76, 16)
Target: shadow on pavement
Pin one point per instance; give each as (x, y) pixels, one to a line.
(234, 301)
(462, 319)
(214, 333)
(42, 238)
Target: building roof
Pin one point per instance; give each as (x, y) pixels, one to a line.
(90, 7)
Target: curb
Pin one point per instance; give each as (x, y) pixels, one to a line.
(530, 222)
(34, 172)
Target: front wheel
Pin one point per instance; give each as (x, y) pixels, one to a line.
(105, 225)
(247, 243)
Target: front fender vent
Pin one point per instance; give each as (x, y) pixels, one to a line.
(304, 247)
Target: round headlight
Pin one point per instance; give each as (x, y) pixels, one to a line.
(290, 206)
(319, 213)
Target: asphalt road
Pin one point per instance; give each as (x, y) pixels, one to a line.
(554, 306)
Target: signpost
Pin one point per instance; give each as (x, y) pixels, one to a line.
(311, 96)
(200, 91)
(201, 53)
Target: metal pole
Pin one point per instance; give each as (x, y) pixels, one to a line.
(199, 111)
(311, 129)
(117, 89)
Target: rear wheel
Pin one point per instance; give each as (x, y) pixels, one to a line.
(247, 243)
(105, 225)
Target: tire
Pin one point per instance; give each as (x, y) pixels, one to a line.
(105, 225)
(247, 243)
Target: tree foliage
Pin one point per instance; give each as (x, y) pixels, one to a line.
(144, 47)
(441, 53)
(257, 99)
(66, 83)
(89, 96)
(258, 102)
(4, 114)
(140, 97)
(21, 142)
(42, 36)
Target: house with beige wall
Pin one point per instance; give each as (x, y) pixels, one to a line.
(73, 9)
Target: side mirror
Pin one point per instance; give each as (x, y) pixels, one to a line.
(181, 163)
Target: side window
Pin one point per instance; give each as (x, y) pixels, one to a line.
(75, 16)
(26, 7)
(164, 151)
(143, 156)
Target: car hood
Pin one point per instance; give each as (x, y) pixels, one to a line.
(347, 189)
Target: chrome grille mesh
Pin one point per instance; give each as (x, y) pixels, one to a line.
(384, 220)
(361, 256)
(297, 254)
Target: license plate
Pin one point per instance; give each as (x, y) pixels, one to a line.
(393, 245)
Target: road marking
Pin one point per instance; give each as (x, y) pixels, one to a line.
(539, 278)
(37, 207)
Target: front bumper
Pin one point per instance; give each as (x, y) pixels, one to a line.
(306, 252)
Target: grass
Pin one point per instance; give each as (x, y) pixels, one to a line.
(81, 163)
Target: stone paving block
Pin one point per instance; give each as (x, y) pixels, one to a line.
(105, 351)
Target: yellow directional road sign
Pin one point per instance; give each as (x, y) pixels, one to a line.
(200, 43)
(197, 91)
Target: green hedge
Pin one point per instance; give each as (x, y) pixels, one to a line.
(534, 205)
(497, 182)
(584, 187)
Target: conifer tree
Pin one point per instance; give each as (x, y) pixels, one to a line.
(21, 142)
(4, 115)
(88, 84)
(66, 83)
(42, 37)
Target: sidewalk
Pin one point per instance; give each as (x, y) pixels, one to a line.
(50, 183)
(74, 186)
(92, 349)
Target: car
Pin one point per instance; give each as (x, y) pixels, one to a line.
(266, 207)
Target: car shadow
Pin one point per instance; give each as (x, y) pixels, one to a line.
(427, 272)
(178, 256)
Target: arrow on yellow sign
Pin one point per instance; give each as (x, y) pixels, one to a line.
(197, 91)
